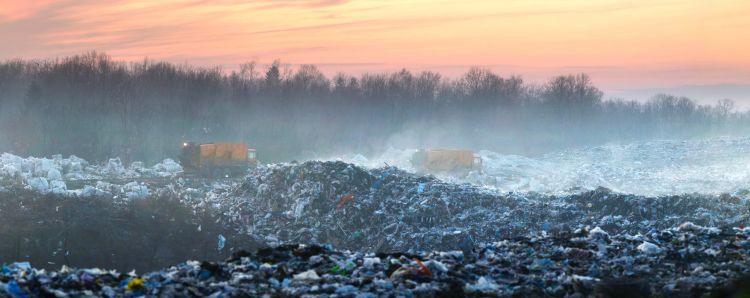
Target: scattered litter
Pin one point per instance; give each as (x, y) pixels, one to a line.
(649, 248)
(221, 241)
(403, 234)
(345, 199)
(307, 275)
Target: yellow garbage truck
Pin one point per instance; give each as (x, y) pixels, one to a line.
(446, 160)
(217, 159)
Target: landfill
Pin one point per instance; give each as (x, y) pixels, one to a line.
(74, 176)
(652, 168)
(336, 229)
(690, 261)
(387, 209)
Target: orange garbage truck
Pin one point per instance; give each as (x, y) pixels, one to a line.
(446, 160)
(217, 159)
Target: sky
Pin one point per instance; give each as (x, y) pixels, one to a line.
(626, 46)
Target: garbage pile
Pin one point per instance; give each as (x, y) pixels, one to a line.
(653, 168)
(387, 209)
(59, 175)
(648, 168)
(406, 234)
(689, 260)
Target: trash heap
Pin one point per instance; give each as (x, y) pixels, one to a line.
(74, 176)
(689, 260)
(386, 210)
(349, 207)
(401, 234)
(649, 168)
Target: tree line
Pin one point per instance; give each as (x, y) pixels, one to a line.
(94, 107)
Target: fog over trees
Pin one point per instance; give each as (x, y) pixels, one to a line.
(94, 107)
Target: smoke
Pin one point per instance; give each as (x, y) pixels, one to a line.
(96, 108)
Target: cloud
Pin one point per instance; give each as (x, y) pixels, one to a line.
(534, 38)
(11, 10)
(299, 3)
(117, 23)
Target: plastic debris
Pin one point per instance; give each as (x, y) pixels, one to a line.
(221, 242)
(57, 174)
(135, 284)
(307, 275)
(345, 199)
(649, 248)
(370, 263)
(521, 266)
(14, 290)
(413, 235)
(483, 285)
(598, 233)
(21, 265)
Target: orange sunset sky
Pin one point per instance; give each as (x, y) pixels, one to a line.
(623, 45)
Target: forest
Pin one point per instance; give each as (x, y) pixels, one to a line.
(95, 107)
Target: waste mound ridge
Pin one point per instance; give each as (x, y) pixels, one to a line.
(650, 168)
(386, 209)
(653, 168)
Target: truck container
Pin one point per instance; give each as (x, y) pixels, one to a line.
(217, 159)
(446, 160)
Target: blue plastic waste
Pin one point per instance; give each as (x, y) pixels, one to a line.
(222, 241)
(22, 265)
(377, 183)
(14, 290)
(541, 264)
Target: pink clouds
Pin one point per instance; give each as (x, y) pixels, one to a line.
(11, 10)
(630, 43)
